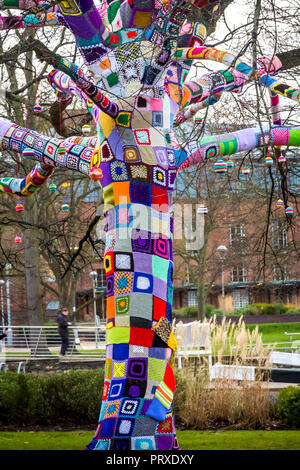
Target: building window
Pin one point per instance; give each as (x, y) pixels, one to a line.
(237, 234)
(279, 235)
(101, 278)
(240, 298)
(239, 274)
(192, 298)
(280, 273)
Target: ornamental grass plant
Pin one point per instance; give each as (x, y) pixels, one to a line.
(224, 401)
(199, 405)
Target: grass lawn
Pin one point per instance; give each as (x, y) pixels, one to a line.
(188, 440)
(274, 332)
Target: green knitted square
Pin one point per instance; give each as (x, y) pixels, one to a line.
(156, 369)
(160, 267)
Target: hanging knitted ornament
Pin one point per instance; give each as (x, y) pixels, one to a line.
(198, 120)
(230, 163)
(220, 166)
(65, 184)
(19, 207)
(61, 150)
(96, 174)
(280, 203)
(65, 207)
(28, 153)
(52, 187)
(18, 239)
(86, 129)
(246, 170)
(269, 160)
(282, 159)
(37, 108)
(289, 210)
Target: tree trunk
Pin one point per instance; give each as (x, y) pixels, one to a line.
(137, 410)
(38, 343)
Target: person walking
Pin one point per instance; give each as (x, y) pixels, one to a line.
(63, 324)
(4, 334)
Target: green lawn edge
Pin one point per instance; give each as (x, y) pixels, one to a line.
(188, 440)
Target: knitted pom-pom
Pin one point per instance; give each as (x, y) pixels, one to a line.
(37, 108)
(86, 129)
(28, 153)
(52, 187)
(246, 170)
(269, 161)
(282, 159)
(220, 166)
(280, 203)
(19, 207)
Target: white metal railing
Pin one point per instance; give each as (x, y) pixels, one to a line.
(44, 342)
(194, 340)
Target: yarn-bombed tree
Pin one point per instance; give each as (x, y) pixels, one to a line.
(140, 52)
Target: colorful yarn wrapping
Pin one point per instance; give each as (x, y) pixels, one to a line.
(137, 157)
(289, 210)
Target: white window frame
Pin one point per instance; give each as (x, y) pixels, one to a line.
(192, 300)
(237, 233)
(279, 235)
(240, 298)
(101, 277)
(239, 274)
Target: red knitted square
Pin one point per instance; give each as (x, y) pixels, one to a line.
(159, 308)
(141, 336)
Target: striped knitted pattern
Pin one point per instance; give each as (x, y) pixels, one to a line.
(164, 394)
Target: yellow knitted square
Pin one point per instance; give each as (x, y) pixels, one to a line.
(119, 369)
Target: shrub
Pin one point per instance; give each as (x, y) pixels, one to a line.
(192, 312)
(275, 308)
(217, 313)
(186, 312)
(289, 406)
(295, 311)
(72, 397)
(209, 310)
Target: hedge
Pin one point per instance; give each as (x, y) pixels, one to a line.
(275, 308)
(289, 406)
(192, 312)
(74, 398)
(69, 397)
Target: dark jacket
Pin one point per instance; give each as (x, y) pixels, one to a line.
(2, 336)
(62, 324)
